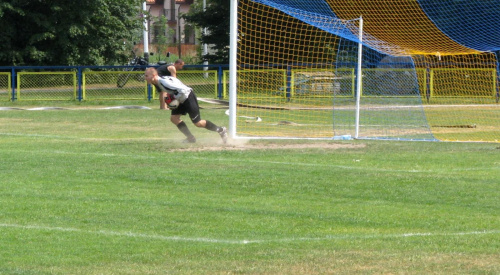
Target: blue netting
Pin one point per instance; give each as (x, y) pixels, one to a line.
(312, 6)
(315, 12)
(474, 24)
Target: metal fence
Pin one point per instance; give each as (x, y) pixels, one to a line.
(5, 86)
(87, 83)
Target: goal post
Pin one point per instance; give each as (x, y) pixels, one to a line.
(233, 44)
(318, 70)
(359, 75)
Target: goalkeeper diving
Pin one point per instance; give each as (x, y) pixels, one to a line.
(181, 101)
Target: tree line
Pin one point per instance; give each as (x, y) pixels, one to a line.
(92, 32)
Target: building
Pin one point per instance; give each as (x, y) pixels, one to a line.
(180, 37)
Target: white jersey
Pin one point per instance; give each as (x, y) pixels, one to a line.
(174, 86)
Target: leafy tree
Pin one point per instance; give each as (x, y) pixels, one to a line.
(67, 32)
(216, 20)
(160, 31)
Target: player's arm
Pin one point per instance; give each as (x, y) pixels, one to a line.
(161, 97)
(172, 70)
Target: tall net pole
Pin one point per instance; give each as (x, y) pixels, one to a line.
(359, 74)
(233, 34)
(145, 33)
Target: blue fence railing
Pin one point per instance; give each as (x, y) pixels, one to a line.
(68, 82)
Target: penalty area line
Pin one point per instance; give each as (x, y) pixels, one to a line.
(122, 234)
(226, 241)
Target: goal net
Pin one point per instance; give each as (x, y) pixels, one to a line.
(421, 76)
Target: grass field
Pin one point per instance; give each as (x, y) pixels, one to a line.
(113, 191)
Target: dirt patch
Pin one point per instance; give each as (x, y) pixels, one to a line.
(272, 146)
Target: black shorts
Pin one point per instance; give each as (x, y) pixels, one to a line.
(190, 106)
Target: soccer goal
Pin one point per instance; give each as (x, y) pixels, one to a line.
(327, 69)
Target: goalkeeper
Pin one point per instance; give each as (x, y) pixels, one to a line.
(171, 88)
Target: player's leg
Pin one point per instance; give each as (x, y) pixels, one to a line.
(181, 125)
(193, 109)
(207, 124)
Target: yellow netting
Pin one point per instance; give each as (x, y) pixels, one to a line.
(460, 100)
(399, 22)
(297, 73)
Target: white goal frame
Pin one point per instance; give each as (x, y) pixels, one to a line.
(233, 46)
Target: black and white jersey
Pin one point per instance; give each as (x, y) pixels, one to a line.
(175, 87)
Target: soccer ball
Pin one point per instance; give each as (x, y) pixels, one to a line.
(169, 98)
(173, 104)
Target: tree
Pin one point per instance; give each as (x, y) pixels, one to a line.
(216, 20)
(160, 31)
(67, 32)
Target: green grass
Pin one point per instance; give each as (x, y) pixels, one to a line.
(93, 191)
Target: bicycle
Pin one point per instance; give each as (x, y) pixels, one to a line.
(136, 64)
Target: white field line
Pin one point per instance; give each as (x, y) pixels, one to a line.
(226, 241)
(120, 234)
(232, 160)
(37, 135)
(68, 137)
